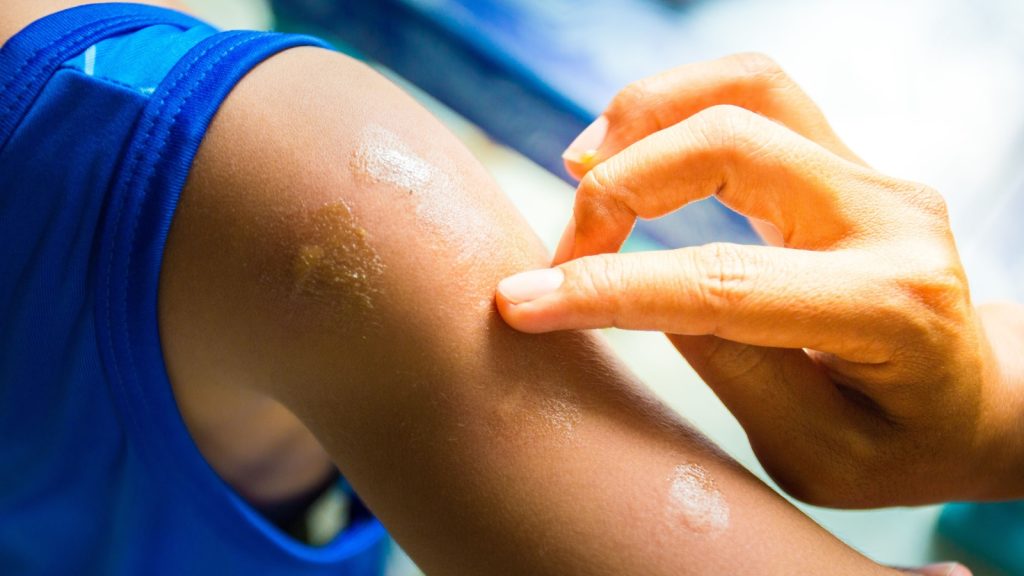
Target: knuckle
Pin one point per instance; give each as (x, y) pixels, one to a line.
(596, 279)
(738, 363)
(758, 66)
(722, 274)
(723, 128)
(933, 278)
(596, 185)
(759, 79)
(936, 304)
(926, 200)
(935, 205)
(602, 201)
(640, 102)
(635, 94)
(599, 180)
(599, 186)
(722, 115)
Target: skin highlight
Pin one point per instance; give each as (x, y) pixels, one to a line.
(697, 500)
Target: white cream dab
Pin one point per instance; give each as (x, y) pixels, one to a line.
(696, 499)
(437, 191)
(385, 158)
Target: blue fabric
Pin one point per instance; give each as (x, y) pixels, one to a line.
(994, 531)
(102, 109)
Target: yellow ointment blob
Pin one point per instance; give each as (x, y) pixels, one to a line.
(336, 266)
(696, 500)
(588, 158)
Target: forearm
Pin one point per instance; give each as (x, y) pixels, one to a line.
(357, 253)
(488, 451)
(1001, 457)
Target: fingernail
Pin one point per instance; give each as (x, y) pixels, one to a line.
(944, 569)
(583, 150)
(567, 242)
(531, 285)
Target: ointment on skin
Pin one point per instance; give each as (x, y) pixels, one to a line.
(562, 413)
(383, 158)
(337, 265)
(695, 499)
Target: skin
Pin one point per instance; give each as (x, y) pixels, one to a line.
(294, 296)
(848, 348)
(436, 411)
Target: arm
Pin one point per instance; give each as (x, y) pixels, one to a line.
(337, 250)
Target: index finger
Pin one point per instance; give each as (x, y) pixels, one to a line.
(753, 165)
(749, 80)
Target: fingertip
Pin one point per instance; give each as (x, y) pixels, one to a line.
(525, 300)
(528, 317)
(507, 310)
(531, 285)
(573, 168)
(583, 151)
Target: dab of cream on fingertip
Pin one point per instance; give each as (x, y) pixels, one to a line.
(584, 148)
(588, 157)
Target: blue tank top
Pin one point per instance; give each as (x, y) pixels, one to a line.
(102, 109)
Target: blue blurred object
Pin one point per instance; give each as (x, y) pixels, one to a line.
(994, 531)
(530, 74)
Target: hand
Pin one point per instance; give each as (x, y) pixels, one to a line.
(850, 352)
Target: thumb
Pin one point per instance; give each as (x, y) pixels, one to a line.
(733, 291)
(683, 291)
(607, 290)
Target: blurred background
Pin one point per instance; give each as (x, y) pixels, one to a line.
(927, 90)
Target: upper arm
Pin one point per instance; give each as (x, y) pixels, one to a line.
(338, 250)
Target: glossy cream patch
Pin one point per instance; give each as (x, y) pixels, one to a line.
(435, 189)
(383, 157)
(696, 500)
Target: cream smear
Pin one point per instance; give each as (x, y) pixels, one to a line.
(435, 188)
(562, 413)
(383, 157)
(696, 500)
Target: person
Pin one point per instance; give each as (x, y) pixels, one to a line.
(235, 262)
(848, 347)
